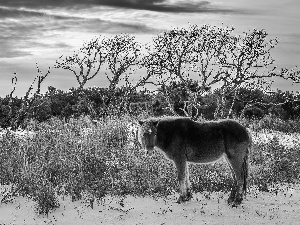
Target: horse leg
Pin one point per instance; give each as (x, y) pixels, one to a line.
(236, 195)
(188, 184)
(233, 188)
(181, 166)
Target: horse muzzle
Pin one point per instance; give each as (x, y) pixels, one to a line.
(149, 150)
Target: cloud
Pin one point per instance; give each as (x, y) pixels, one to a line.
(23, 29)
(17, 12)
(28, 23)
(14, 37)
(163, 5)
(152, 5)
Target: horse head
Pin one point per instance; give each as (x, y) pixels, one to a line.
(147, 134)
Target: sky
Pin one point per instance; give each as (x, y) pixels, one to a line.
(40, 31)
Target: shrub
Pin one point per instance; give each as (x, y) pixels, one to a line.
(271, 122)
(253, 113)
(273, 162)
(82, 157)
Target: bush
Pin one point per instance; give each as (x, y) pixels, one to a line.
(272, 162)
(41, 191)
(81, 157)
(271, 122)
(253, 113)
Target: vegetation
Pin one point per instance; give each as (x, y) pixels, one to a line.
(101, 102)
(80, 142)
(80, 158)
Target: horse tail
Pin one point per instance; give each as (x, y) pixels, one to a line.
(245, 165)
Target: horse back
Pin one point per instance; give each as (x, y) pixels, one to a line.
(198, 142)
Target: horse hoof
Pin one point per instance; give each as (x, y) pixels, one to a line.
(234, 205)
(189, 196)
(230, 201)
(180, 200)
(234, 202)
(185, 198)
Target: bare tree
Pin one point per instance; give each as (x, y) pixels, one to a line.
(293, 74)
(14, 81)
(178, 53)
(247, 58)
(217, 56)
(171, 54)
(85, 64)
(170, 58)
(123, 56)
(210, 46)
(29, 97)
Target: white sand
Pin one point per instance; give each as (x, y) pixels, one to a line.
(204, 208)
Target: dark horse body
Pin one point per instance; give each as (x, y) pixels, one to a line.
(183, 140)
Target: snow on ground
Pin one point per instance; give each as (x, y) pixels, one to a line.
(204, 208)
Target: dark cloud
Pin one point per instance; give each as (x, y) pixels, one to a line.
(35, 21)
(152, 5)
(163, 5)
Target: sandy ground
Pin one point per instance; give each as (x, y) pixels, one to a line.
(204, 208)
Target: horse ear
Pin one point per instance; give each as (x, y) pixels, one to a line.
(141, 122)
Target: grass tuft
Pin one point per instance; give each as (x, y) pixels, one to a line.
(81, 158)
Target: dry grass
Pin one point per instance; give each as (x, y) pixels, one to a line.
(82, 158)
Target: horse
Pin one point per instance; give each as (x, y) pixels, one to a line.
(184, 141)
